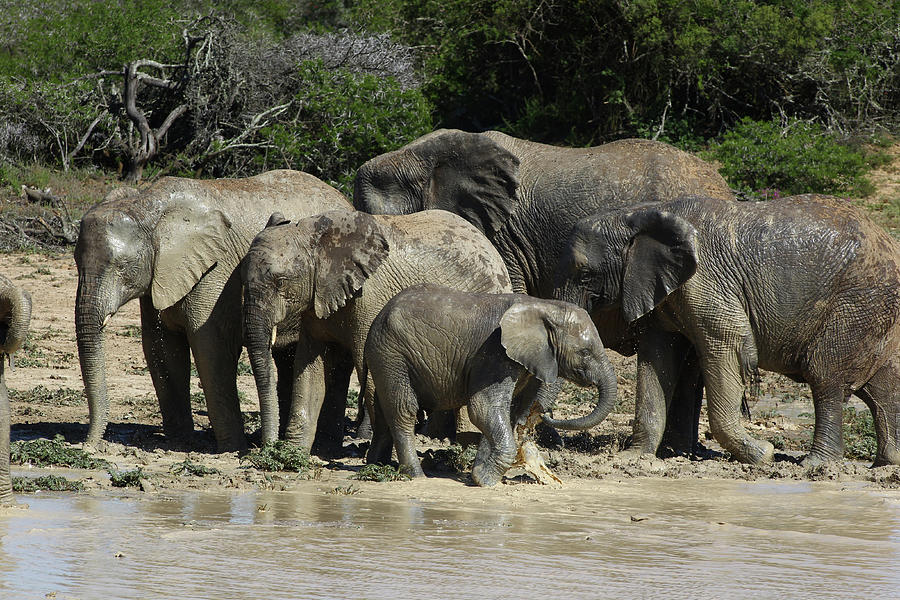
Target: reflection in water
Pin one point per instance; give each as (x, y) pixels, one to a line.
(690, 539)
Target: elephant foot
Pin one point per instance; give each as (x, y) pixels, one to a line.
(485, 476)
(887, 457)
(754, 452)
(633, 451)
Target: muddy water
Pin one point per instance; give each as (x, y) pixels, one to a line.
(436, 539)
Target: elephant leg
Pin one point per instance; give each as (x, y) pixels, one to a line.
(882, 395)
(828, 441)
(338, 365)
(382, 440)
(284, 367)
(724, 393)
(216, 361)
(660, 355)
(491, 415)
(308, 393)
(399, 407)
(169, 361)
(683, 414)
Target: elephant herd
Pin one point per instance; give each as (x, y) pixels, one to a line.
(473, 270)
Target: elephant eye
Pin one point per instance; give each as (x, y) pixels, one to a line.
(280, 282)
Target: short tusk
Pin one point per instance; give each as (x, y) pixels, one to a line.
(274, 334)
(105, 321)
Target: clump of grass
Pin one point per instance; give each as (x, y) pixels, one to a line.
(126, 478)
(55, 452)
(42, 395)
(279, 456)
(382, 473)
(130, 331)
(352, 398)
(859, 434)
(188, 467)
(349, 490)
(455, 459)
(244, 368)
(47, 483)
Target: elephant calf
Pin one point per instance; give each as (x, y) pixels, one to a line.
(15, 316)
(807, 286)
(436, 348)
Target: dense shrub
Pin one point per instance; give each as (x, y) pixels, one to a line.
(794, 158)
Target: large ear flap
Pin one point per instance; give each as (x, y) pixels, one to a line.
(661, 257)
(189, 239)
(472, 176)
(525, 334)
(350, 247)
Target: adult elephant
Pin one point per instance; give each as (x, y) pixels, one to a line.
(807, 286)
(15, 316)
(176, 246)
(526, 197)
(322, 280)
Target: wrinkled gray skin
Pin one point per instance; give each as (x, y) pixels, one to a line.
(441, 349)
(806, 286)
(526, 197)
(176, 246)
(15, 315)
(321, 282)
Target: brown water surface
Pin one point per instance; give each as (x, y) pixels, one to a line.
(643, 538)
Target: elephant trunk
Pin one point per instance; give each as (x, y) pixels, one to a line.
(89, 324)
(6, 495)
(258, 329)
(606, 401)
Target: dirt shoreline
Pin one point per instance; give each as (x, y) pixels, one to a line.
(48, 399)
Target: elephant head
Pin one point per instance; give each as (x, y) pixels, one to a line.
(15, 315)
(465, 173)
(131, 246)
(551, 338)
(313, 267)
(629, 261)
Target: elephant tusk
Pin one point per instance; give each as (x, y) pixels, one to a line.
(105, 321)
(274, 334)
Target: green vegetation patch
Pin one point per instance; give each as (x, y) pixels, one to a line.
(126, 478)
(55, 452)
(455, 459)
(42, 395)
(382, 473)
(46, 483)
(279, 456)
(859, 434)
(188, 467)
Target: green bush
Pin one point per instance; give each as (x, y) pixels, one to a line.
(279, 456)
(343, 119)
(382, 473)
(55, 452)
(798, 158)
(46, 483)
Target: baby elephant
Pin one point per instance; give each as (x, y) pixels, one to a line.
(436, 348)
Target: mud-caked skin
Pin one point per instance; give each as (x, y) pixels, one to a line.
(15, 316)
(806, 286)
(322, 280)
(526, 196)
(176, 246)
(435, 348)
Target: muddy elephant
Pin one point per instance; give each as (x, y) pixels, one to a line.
(806, 286)
(322, 280)
(527, 196)
(176, 247)
(441, 349)
(15, 316)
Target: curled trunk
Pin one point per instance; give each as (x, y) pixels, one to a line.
(15, 316)
(606, 401)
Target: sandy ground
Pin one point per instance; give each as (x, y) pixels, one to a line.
(48, 399)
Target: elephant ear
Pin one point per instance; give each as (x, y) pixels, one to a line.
(525, 335)
(350, 248)
(189, 239)
(661, 258)
(472, 176)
